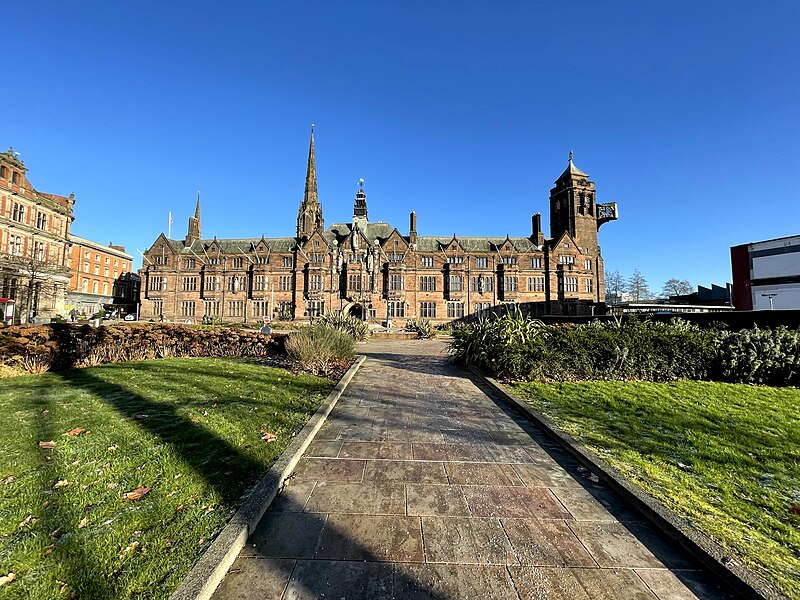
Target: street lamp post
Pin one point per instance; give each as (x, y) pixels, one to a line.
(769, 297)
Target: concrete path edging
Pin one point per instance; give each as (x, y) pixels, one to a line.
(743, 580)
(210, 569)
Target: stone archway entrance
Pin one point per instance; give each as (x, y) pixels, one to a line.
(357, 311)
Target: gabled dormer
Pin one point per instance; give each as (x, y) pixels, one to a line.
(160, 254)
(508, 253)
(316, 249)
(395, 247)
(565, 251)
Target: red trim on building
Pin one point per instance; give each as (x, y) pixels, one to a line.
(740, 266)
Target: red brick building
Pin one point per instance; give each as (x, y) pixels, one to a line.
(375, 272)
(99, 276)
(34, 241)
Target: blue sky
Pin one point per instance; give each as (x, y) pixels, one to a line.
(686, 114)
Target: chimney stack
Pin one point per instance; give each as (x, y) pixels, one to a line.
(536, 226)
(412, 228)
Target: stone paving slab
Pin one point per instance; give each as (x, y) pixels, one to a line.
(421, 486)
(356, 498)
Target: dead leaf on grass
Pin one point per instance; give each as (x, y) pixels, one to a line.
(9, 479)
(48, 550)
(136, 494)
(84, 522)
(61, 483)
(47, 445)
(76, 431)
(795, 510)
(269, 437)
(57, 533)
(7, 578)
(129, 549)
(113, 448)
(195, 420)
(179, 508)
(26, 521)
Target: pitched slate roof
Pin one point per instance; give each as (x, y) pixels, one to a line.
(474, 244)
(235, 245)
(372, 231)
(572, 171)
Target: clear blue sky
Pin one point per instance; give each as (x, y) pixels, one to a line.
(685, 113)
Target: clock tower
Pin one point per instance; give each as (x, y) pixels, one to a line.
(574, 209)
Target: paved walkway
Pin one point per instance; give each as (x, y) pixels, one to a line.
(421, 486)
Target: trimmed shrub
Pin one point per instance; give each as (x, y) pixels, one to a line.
(38, 348)
(352, 326)
(320, 349)
(422, 327)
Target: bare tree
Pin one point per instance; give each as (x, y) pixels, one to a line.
(34, 282)
(676, 287)
(638, 287)
(615, 287)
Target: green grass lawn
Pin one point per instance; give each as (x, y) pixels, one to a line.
(725, 456)
(188, 429)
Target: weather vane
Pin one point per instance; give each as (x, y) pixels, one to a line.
(361, 183)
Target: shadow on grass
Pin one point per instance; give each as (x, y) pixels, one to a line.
(57, 519)
(213, 458)
(206, 453)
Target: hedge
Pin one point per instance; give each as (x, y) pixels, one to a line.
(519, 348)
(58, 346)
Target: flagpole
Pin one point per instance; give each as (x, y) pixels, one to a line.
(169, 227)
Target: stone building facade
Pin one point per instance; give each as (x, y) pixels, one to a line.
(375, 272)
(100, 278)
(34, 243)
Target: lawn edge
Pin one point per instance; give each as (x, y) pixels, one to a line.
(211, 567)
(741, 578)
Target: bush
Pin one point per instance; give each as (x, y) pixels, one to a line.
(38, 348)
(760, 356)
(514, 347)
(352, 326)
(504, 345)
(422, 327)
(320, 349)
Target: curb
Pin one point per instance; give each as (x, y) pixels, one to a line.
(740, 578)
(211, 567)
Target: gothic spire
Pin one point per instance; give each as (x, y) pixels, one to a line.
(309, 217)
(310, 195)
(193, 233)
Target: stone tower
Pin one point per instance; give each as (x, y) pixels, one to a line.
(194, 225)
(573, 208)
(309, 217)
(360, 206)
